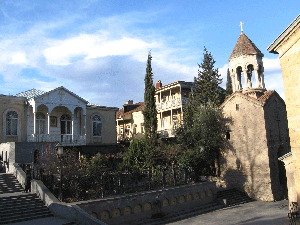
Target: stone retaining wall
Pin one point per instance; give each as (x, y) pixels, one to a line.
(143, 205)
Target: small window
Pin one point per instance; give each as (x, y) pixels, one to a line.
(127, 130)
(237, 107)
(134, 128)
(228, 135)
(142, 128)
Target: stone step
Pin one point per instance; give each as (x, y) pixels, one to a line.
(16, 206)
(9, 184)
(233, 197)
(23, 218)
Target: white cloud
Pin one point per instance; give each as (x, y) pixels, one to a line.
(91, 46)
(271, 64)
(18, 58)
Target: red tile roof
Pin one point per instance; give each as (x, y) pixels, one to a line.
(140, 106)
(266, 95)
(260, 101)
(244, 46)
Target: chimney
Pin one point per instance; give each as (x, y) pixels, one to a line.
(129, 102)
(158, 84)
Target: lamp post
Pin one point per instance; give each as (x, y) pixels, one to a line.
(59, 152)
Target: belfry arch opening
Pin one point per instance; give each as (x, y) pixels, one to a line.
(250, 70)
(239, 78)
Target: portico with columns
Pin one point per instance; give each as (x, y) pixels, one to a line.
(57, 116)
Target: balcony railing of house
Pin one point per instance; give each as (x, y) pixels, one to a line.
(166, 133)
(173, 103)
(61, 138)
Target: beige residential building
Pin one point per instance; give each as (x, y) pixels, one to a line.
(258, 129)
(170, 100)
(287, 45)
(130, 121)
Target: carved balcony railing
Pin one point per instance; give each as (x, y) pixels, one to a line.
(166, 133)
(65, 139)
(173, 103)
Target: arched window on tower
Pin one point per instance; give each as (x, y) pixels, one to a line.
(11, 123)
(97, 125)
(250, 69)
(239, 77)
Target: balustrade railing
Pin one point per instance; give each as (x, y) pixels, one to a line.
(61, 138)
(175, 102)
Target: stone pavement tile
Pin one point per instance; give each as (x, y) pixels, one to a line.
(43, 221)
(253, 213)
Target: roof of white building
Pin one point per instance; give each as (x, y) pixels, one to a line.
(33, 93)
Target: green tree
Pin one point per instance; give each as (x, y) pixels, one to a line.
(98, 164)
(205, 137)
(135, 157)
(207, 83)
(150, 113)
(228, 84)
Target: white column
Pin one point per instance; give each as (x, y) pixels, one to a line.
(170, 98)
(233, 78)
(73, 116)
(34, 123)
(161, 121)
(84, 127)
(246, 79)
(258, 83)
(48, 123)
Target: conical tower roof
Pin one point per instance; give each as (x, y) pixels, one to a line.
(244, 46)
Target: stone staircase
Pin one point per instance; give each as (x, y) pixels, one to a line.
(16, 206)
(233, 197)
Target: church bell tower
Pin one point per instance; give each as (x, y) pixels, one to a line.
(244, 61)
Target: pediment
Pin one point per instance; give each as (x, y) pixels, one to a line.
(60, 96)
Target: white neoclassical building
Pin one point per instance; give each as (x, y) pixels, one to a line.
(55, 116)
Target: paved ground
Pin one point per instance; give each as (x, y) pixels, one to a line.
(43, 221)
(253, 213)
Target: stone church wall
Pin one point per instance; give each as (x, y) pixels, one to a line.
(246, 164)
(278, 143)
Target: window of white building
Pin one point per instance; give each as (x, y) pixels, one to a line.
(40, 123)
(65, 124)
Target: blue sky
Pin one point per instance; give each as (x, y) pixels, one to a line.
(98, 49)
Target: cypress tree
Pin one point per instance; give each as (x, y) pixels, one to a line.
(228, 84)
(208, 80)
(150, 113)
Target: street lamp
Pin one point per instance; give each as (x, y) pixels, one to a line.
(60, 152)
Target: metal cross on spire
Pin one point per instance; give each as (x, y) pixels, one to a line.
(241, 24)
